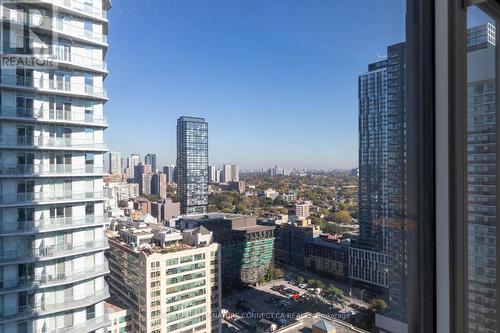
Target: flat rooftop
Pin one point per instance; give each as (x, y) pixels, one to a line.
(114, 305)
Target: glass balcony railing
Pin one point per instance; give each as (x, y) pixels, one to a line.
(49, 170)
(57, 25)
(51, 115)
(49, 197)
(90, 325)
(12, 313)
(49, 142)
(80, 6)
(59, 250)
(58, 85)
(58, 223)
(51, 279)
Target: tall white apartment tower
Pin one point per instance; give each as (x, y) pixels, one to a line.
(52, 239)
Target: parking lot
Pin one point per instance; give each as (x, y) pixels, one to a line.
(279, 302)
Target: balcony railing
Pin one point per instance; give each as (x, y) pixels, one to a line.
(48, 197)
(51, 279)
(12, 313)
(90, 325)
(80, 6)
(59, 250)
(56, 25)
(57, 85)
(18, 227)
(51, 115)
(49, 170)
(49, 142)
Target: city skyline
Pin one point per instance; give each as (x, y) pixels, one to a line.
(270, 92)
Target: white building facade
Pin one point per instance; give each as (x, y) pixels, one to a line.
(52, 241)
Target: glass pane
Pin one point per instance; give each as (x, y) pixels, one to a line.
(481, 170)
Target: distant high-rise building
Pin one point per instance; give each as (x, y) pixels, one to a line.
(115, 162)
(52, 203)
(159, 185)
(132, 162)
(151, 160)
(192, 164)
(212, 174)
(143, 176)
(171, 172)
(230, 173)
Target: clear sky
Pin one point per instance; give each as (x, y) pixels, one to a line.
(275, 79)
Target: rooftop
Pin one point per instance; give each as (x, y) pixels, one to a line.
(305, 323)
(113, 304)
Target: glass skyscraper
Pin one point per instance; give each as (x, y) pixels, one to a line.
(378, 256)
(481, 171)
(192, 164)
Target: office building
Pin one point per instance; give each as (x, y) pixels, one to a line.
(192, 164)
(150, 159)
(52, 240)
(170, 280)
(247, 248)
(238, 186)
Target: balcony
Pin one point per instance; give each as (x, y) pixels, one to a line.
(90, 325)
(58, 26)
(61, 86)
(34, 198)
(69, 303)
(57, 143)
(51, 251)
(51, 116)
(49, 280)
(13, 228)
(63, 170)
(80, 7)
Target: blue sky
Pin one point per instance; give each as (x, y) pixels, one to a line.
(276, 80)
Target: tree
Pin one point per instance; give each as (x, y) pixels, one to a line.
(300, 279)
(331, 228)
(315, 284)
(278, 273)
(342, 217)
(334, 292)
(378, 305)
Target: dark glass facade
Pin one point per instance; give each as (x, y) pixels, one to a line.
(192, 164)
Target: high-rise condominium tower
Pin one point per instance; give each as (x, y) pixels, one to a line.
(115, 163)
(482, 172)
(192, 164)
(151, 160)
(378, 258)
(52, 241)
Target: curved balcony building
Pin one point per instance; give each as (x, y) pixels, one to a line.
(52, 240)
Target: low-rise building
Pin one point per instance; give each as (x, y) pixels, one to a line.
(319, 323)
(169, 279)
(247, 249)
